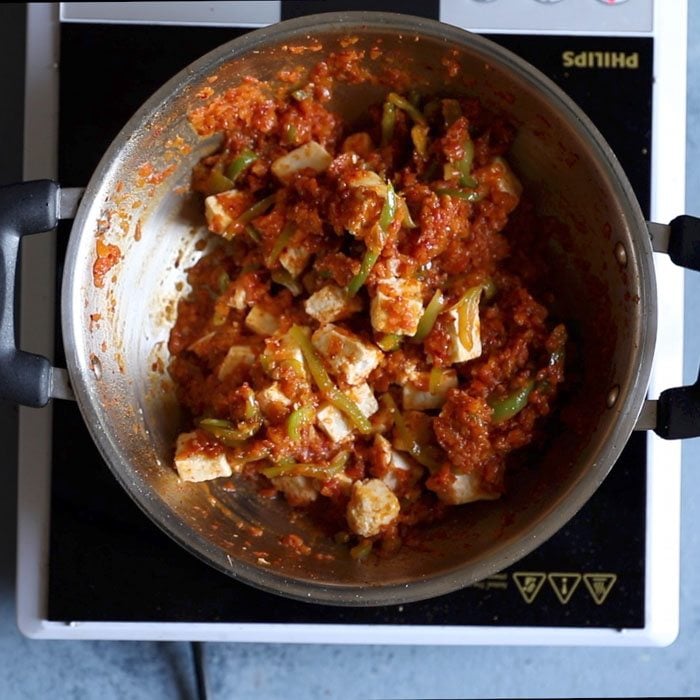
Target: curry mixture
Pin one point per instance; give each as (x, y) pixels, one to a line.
(371, 339)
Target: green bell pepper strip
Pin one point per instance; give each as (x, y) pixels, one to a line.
(419, 136)
(435, 379)
(252, 409)
(386, 216)
(368, 262)
(464, 165)
(388, 123)
(280, 244)
(390, 342)
(388, 212)
(315, 471)
(468, 315)
(423, 454)
(240, 163)
(509, 406)
(218, 182)
(256, 210)
(225, 432)
(253, 233)
(403, 104)
(284, 277)
(427, 320)
(325, 384)
(408, 221)
(298, 419)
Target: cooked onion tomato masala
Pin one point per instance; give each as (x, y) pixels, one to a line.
(370, 337)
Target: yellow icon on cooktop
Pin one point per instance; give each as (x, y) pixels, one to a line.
(599, 585)
(564, 585)
(529, 584)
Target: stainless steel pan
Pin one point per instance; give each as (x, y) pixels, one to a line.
(138, 202)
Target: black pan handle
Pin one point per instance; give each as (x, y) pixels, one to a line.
(25, 208)
(678, 409)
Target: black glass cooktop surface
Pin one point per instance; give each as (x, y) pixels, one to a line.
(108, 562)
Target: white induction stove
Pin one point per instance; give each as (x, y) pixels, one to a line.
(571, 26)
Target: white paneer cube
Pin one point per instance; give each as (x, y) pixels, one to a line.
(298, 490)
(347, 355)
(281, 352)
(218, 206)
(272, 400)
(464, 342)
(364, 397)
(218, 219)
(465, 488)
(195, 466)
(397, 306)
(419, 428)
(311, 155)
(334, 423)
(294, 259)
(393, 463)
(415, 399)
(239, 299)
(372, 507)
(237, 356)
(331, 303)
(261, 321)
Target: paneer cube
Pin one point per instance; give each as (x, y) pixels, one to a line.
(416, 399)
(348, 356)
(273, 402)
(372, 507)
(334, 423)
(464, 327)
(196, 466)
(239, 298)
(397, 306)
(419, 428)
(311, 155)
(394, 467)
(261, 321)
(331, 303)
(221, 209)
(465, 488)
(237, 356)
(298, 490)
(218, 219)
(294, 259)
(281, 354)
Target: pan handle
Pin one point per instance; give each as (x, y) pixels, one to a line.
(676, 413)
(27, 208)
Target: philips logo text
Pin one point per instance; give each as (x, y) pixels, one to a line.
(600, 59)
